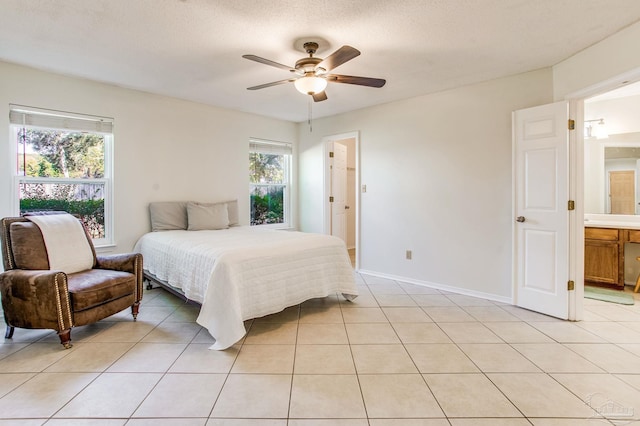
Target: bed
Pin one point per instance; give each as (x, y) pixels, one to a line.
(239, 272)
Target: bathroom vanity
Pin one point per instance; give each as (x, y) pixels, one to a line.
(604, 254)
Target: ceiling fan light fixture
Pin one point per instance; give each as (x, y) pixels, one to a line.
(310, 85)
(312, 74)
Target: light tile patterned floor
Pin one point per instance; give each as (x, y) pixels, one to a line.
(399, 355)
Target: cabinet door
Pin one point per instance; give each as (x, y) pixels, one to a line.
(601, 261)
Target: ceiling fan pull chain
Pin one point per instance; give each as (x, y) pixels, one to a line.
(310, 115)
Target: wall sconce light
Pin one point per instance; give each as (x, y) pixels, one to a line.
(598, 131)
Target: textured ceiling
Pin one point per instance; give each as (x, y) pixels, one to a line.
(192, 49)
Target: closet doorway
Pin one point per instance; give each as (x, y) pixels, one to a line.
(341, 203)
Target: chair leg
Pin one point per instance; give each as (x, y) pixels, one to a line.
(9, 333)
(65, 338)
(135, 308)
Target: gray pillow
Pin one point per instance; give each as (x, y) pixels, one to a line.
(232, 207)
(207, 216)
(168, 215)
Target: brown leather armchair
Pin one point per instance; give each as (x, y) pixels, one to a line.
(35, 297)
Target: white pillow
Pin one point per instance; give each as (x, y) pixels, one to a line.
(207, 216)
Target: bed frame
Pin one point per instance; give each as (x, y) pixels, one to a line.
(152, 279)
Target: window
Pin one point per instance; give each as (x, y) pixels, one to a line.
(269, 182)
(63, 162)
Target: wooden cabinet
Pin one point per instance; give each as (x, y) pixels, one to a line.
(604, 255)
(633, 236)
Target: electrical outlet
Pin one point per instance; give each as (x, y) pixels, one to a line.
(409, 254)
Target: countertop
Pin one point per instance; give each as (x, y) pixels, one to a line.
(611, 221)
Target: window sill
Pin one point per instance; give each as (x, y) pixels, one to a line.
(285, 226)
(105, 248)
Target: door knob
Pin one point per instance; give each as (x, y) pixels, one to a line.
(520, 219)
(347, 207)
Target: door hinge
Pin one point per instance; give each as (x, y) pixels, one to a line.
(571, 285)
(571, 124)
(330, 154)
(571, 205)
(331, 199)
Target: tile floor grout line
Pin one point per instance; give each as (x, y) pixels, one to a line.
(355, 367)
(228, 373)
(293, 367)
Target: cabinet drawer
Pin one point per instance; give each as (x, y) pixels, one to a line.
(634, 236)
(602, 234)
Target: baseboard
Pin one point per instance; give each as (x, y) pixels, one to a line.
(438, 286)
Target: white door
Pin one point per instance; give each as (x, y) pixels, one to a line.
(339, 191)
(622, 191)
(541, 216)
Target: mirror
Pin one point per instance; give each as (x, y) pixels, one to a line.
(612, 175)
(612, 154)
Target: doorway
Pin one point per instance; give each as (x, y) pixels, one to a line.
(581, 182)
(341, 203)
(612, 162)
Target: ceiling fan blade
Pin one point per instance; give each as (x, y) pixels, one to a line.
(268, 62)
(273, 83)
(319, 97)
(339, 57)
(360, 81)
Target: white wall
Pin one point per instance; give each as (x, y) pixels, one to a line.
(165, 149)
(438, 176)
(595, 181)
(620, 114)
(614, 56)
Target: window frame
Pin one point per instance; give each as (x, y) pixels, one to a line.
(92, 122)
(274, 147)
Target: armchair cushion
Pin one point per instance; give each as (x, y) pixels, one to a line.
(95, 287)
(29, 251)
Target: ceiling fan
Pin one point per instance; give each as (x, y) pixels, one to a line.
(312, 73)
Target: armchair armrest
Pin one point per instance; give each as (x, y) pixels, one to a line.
(126, 262)
(36, 299)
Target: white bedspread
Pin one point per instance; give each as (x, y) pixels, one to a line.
(244, 272)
